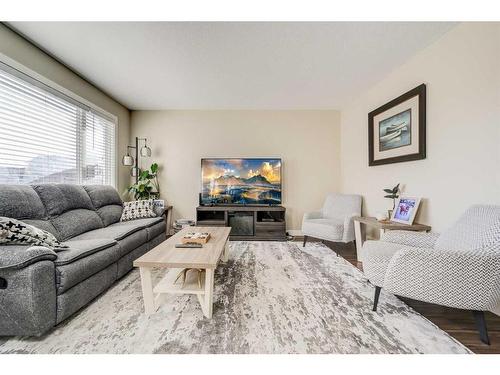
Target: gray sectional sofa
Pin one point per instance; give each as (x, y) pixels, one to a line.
(40, 288)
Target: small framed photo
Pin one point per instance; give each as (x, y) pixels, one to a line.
(159, 203)
(405, 210)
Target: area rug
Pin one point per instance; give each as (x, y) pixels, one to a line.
(270, 297)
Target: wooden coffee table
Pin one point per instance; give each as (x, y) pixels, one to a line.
(166, 255)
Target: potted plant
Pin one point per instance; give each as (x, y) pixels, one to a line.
(147, 186)
(392, 194)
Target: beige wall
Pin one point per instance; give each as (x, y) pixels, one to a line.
(307, 141)
(462, 73)
(12, 46)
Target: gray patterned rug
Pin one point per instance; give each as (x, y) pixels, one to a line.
(271, 297)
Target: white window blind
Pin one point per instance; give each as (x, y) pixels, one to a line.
(48, 137)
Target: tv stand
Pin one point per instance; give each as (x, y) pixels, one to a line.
(248, 223)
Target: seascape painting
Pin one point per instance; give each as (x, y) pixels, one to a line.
(395, 131)
(241, 181)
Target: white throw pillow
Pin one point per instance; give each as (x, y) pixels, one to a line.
(137, 210)
(16, 232)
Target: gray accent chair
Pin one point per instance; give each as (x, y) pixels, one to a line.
(459, 268)
(334, 221)
(40, 288)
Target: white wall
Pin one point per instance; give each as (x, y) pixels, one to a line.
(22, 52)
(462, 73)
(307, 141)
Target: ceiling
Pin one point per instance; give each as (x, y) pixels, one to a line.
(237, 65)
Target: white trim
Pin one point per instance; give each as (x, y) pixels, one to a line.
(31, 73)
(51, 85)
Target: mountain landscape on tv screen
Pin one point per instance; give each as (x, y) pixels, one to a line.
(241, 181)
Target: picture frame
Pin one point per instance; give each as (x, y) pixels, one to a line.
(397, 130)
(405, 210)
(159, 203)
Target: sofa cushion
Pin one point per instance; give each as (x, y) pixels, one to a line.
(144, 223)
(107, 202)
(75, 222)
(86, 258)
(78, 249)
(129, 235)
(110, 214)
(59, 198)
(327, 229)
(21, 202)
(70, 209)
(103, 195)
(120, 230)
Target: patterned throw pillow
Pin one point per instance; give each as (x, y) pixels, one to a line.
(16, 232)
(137, 210)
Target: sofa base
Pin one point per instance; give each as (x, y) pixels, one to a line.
(28, 301)
(81, 294)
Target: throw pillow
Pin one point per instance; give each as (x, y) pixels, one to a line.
(137, 210)
(14, 231)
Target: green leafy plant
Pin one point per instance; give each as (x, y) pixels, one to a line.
(147, 186)
(392, 194)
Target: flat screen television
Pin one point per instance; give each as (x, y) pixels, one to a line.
(246, 181)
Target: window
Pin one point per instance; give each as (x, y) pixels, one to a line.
(48, 137)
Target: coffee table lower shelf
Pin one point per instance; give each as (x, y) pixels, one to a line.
(167, 285)
(173, 260)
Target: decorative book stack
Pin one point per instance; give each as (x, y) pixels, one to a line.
(196, 237)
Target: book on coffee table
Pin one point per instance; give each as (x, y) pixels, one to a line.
(195, 237)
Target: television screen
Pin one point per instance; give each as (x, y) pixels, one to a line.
(241, 181)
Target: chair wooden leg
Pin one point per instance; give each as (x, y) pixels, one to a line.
(305, 240)
(375, 299)
(481, 326)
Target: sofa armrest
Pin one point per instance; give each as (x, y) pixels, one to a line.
(313, 215)
(460, 279)
(409, 238)
(27, 296)
(21, 256)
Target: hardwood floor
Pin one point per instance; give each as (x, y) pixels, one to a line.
(457, 323)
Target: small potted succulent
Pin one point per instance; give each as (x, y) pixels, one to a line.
(392, 194)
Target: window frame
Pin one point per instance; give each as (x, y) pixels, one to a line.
(13, 67)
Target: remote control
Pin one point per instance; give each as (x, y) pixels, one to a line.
(188, 245)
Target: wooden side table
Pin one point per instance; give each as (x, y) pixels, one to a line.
(168, 218)
(382, 226)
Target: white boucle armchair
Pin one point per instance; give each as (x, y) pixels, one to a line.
(459, 268)
(334, 221)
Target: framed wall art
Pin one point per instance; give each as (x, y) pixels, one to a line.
(396, 130)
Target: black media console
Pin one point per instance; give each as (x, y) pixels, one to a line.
(262, 223)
